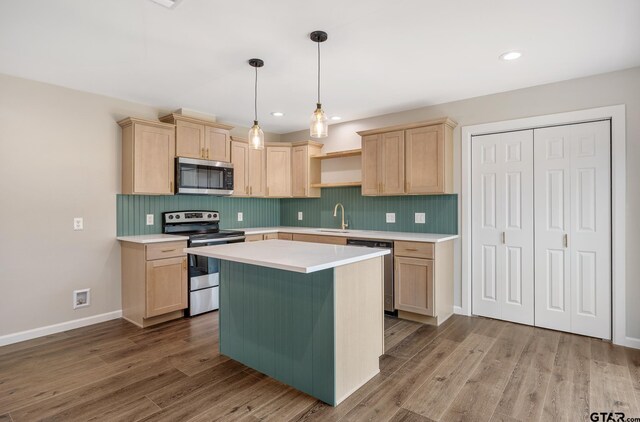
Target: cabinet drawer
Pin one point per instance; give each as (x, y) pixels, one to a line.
(252, 237)
(285, 236)
(165, 250)
(269, 236)
(414, 249)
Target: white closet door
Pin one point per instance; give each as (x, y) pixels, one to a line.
(502, 226)
(573, 228)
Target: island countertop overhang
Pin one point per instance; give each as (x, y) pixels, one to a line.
(301, 257)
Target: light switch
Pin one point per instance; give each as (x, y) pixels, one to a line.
(391, 217)
(240, 217)
(300, 215)
(149, 219)
(78, 223)
(420, 218)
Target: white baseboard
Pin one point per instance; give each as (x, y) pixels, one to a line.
(458, 310)
(631, 342)
(58, 328)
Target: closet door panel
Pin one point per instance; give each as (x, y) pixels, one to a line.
(552, 185)
(502, 203)
(518, 226)
(590, 231)
(573, 228)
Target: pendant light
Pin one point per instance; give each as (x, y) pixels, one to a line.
(256, 135)
(319, 124)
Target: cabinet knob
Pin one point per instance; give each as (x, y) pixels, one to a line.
(202, 153)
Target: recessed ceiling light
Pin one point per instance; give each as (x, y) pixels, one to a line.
(336, 118)
(510, 55)
(277, 113)
(169, 4)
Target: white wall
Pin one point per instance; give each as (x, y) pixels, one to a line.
(621, 87)
(59, 159)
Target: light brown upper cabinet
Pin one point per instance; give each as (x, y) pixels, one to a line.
(203, 139)
(148, 151)
(304, 170)
(278, 170)
(248, 169)
(429, 159)
(415, 159)
(383, 164)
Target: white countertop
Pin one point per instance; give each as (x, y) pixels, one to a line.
(151, 238)
(301, 257)
(356, 234)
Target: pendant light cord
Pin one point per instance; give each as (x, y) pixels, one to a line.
(318, 73)
(255, 97)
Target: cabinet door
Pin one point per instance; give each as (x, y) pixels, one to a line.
(371, 161)
(278, 171)
(256, 173)
(153, 166)
(189, 140)
(166, 286)
(425, 160)
(392, 163)
(216, 144)
(299, 171)
(414, 285)
(240, 160)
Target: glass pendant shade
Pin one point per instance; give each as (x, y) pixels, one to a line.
(319, 123)
(256, 136)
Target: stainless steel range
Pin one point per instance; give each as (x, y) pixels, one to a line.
(203, 229)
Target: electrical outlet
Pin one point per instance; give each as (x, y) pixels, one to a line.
(240, 217)
(78, 223)
(391, 217)
(81, 298)
(149, 219)
(300, 215)
(420, 218)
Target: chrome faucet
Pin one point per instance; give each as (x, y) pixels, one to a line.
(343, 225)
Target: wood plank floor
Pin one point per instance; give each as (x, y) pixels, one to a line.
(472, 369)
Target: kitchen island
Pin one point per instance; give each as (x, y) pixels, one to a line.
(309, 315)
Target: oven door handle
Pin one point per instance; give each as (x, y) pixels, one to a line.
(220, 240)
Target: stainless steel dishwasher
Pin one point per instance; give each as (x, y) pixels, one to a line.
(389, 304)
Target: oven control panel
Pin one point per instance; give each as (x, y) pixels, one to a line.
(191, 217)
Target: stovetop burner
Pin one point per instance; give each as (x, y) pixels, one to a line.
(198, 225)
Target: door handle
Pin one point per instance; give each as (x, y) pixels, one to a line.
(168, 250)
(566, 240)
(504, 238)
(202, 152)
(207, 153)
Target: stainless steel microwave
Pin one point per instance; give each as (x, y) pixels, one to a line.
(203, 177)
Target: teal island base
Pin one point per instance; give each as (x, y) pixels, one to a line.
(319, 332)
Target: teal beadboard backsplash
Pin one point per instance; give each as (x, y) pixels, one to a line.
(362, 212)
(369, 212)
(132, 211)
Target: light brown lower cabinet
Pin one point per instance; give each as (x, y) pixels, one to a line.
(333, 240)
(285, 236)
(423, 281)
(257, 237)
(154, 282)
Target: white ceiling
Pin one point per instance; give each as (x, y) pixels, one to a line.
(381, 56)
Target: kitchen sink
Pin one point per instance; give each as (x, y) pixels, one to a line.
(333, 231)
